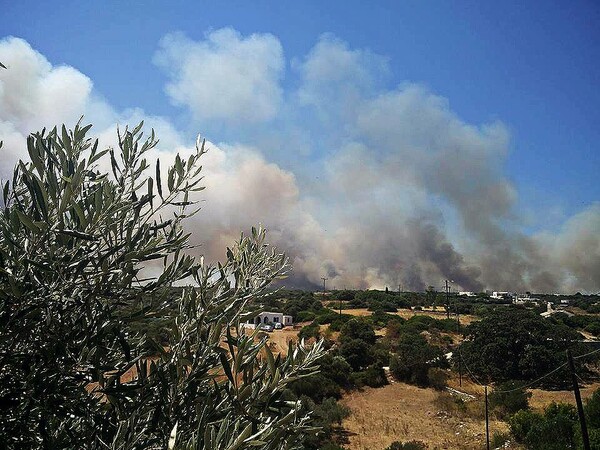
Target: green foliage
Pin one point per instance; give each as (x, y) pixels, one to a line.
(423, 322)
(310, 331)
(344, 295)
(357, 329)
(514, 344)
(357, 353)
(373, 376)
(499, 439)
(305, 316)
(413, 358)
(334, 374)
(337, 323)
(437, 378)
(592, 410)
(298, 301)
(73, 242)
(328, 416)
(513, 399)
(380, 318)
(554, 430)
(379, 300)
(522, 422)
(329, 316)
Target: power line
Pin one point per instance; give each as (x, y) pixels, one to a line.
(587, 354)
(525, 386)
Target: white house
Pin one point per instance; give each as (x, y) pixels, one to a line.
(270, 318)
(501, 295)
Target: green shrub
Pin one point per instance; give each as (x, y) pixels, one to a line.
(373, 376)
(357, 353)
(508, 403)
(358, 328)
(310, 331)
(554, 430)
(437, 378)
(592, 410)
(74, 240)
(337, 323)
(413, 358)
(305, 316)
(499, 439)
(522, 422)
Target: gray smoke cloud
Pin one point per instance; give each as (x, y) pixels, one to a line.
(367, 185)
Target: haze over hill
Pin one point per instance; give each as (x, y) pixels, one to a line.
(366, 184)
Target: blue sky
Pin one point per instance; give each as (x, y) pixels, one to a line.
(535, 65)
(534, 68)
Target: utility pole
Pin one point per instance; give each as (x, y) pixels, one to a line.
(459, 355)
(487, 422)
(459, 370)
(448, 298)
(324, 280)
(584, 432)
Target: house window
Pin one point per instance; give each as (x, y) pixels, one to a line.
(275, 319)
(266, 320)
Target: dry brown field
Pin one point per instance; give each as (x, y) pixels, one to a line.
(407, 314)
(402, 412)
(540, 398)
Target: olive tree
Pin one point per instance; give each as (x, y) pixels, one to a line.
(79, 364)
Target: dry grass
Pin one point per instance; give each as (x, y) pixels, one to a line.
(279, 339)
(401, 412)
(407, 314)
(540, 398)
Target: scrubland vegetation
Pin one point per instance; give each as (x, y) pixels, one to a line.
(96, 354)
(508, 347)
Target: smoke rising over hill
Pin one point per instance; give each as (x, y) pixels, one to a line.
(368, 185)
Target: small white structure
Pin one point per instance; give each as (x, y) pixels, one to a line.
(467, 294)
(551, 311)
(501, 295)
(523, 299)
(269, 318)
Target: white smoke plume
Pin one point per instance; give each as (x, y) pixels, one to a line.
(394, 188)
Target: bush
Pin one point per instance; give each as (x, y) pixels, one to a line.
(73, 243)
(310, 331)
(499, 439)
(357, 353)
(554, 430)
(358, 329)
(522, 422)
(327, 316)
(592, 410)
(338, 322)
(593, 328)
(413, 358)
(437, 378)
(517, 345)
(305, 316)
(326, 415)
(373, 376)
(508, 403)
